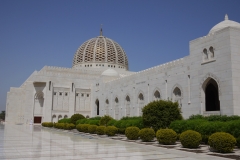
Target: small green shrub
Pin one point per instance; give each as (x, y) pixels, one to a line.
(222, 142)
(104, 120)
(65, 120)
(166, 136)
(76, 117)
(132, 133)
(100, 130)
(59, 125)
(160, 114)
(146, 134)
(190, 139)
(84, 128)
(111, 130)
(47, 124)
(92, 129)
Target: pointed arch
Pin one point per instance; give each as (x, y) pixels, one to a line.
(140, 103)
(116, 101)
(177, 94)
(59, 117)
(156, 94)
(54, 118)
(107, 106)
(210, 95)
(128, 105)
(97, 106)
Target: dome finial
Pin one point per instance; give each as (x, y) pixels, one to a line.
(226, 17)
(101, 30)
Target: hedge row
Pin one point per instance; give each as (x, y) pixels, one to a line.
(222, 118)
(94, 129)
(206, 128)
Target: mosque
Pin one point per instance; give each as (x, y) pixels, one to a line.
(205, 82)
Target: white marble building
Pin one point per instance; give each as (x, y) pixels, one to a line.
(206, 82)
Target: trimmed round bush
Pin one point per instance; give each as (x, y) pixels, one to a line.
(132, 133)
(104, 120)
(79, 127)
(47, 124)
(111, 130)
(84, 128)
(166, 136)
(160, 114)
(92, 129)
(190, 139)
(76, 117)
(146, 134)
(100, 130)
(59, 125)
(222, 142)
(68, 126)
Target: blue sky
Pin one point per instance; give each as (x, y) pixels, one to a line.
(48, 32)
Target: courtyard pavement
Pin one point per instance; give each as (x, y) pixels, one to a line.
(28, 142)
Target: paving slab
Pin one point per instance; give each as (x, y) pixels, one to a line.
(36, 142)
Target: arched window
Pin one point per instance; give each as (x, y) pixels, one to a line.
(128, 103)
(157, 95)
(140, 103)
(211, 52)
(54, 118)
(205, 54)
(59, 117)
(97, 106)
(177, 96)
(116, 108)
(107, 107)
(65, 116)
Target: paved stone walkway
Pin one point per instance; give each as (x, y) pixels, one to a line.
(34, 142)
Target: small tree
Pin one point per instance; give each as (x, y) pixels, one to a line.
(76, 117)
(159, 114)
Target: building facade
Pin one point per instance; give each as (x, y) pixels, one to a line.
(206, 82)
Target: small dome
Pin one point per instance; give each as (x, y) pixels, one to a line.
(110, 72)
(100, 51)
(224, 24)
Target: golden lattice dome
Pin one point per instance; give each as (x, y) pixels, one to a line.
(100, 52)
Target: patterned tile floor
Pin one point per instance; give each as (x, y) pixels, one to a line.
(24, 142)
